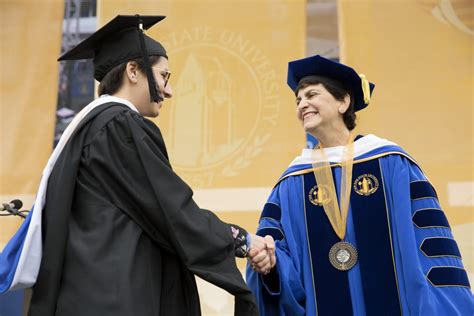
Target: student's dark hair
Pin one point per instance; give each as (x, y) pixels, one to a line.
(112, 81)
(337, 90)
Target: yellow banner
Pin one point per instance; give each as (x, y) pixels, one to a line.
(420, 55)
(231, 113)
(30, 36)
(31, 43)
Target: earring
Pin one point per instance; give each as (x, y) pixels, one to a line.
(341, 110)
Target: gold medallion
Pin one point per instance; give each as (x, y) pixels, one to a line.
(343, 256)
(366, 184)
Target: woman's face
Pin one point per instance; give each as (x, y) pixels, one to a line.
(145, 106)
(316, 108)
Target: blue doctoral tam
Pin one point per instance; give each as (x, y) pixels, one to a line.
(320, 66)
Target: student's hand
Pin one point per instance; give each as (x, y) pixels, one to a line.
(257, 244)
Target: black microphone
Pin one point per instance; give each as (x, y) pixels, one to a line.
(13, 205)
(13, 208)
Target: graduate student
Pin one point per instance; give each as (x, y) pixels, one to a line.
(121, 234)
(358, 226)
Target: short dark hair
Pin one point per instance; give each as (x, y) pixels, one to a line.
(337, 90)
(112, 81)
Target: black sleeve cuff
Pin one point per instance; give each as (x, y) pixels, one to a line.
(272, 281)
(241, 241)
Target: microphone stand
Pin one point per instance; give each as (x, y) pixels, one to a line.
(13, 211)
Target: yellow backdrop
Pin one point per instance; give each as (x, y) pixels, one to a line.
(419, 54)
(231, 127)
(30, 37)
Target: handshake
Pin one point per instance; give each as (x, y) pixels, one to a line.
(262, 256)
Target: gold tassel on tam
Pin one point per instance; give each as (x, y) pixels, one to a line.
(365, 88)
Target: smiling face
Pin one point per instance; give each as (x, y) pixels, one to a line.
(317, 109)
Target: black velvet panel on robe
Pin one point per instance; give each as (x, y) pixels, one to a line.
(121, 232)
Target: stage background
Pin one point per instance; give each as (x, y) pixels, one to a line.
(231, 127)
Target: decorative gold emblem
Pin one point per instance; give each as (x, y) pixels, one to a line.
(343, 256)
(209, 136)
(366, 184)
(319, 195)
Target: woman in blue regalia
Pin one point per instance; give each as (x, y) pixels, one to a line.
(358, 226)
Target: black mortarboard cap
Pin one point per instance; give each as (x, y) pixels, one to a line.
(118, 41)
(347, 76)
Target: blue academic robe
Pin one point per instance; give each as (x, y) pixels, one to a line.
(408, 262)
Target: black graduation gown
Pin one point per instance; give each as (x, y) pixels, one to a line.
(121, 232)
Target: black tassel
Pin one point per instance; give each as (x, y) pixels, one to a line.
(154, 95)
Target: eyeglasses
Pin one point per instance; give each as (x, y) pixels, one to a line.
(166, 74)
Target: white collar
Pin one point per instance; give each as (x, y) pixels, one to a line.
(361, 146)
